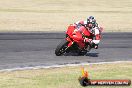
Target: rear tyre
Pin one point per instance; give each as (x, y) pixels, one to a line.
(84, 52)
(61, 48)
(88, 48)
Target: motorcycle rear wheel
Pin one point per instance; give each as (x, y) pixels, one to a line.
(84, 52)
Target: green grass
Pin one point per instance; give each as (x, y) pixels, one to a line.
(66, 77)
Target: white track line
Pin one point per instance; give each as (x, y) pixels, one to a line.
(59, 66)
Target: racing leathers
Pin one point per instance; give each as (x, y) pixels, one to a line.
(94, 30)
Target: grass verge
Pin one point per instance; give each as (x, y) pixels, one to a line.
(66, 77)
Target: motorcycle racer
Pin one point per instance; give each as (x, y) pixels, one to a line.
(81, 37)
(91, 25)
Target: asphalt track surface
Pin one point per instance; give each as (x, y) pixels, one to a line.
(19, 50)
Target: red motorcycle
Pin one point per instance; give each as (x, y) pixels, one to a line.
(74, 41)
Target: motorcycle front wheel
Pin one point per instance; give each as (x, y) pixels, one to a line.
(61, 48)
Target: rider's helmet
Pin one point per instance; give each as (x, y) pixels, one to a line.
(90, 17)
(91, 22)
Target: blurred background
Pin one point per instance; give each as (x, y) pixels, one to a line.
(56, 15)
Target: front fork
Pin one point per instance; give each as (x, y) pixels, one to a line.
(69, 40)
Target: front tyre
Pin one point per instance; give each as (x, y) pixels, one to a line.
(61, 48)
